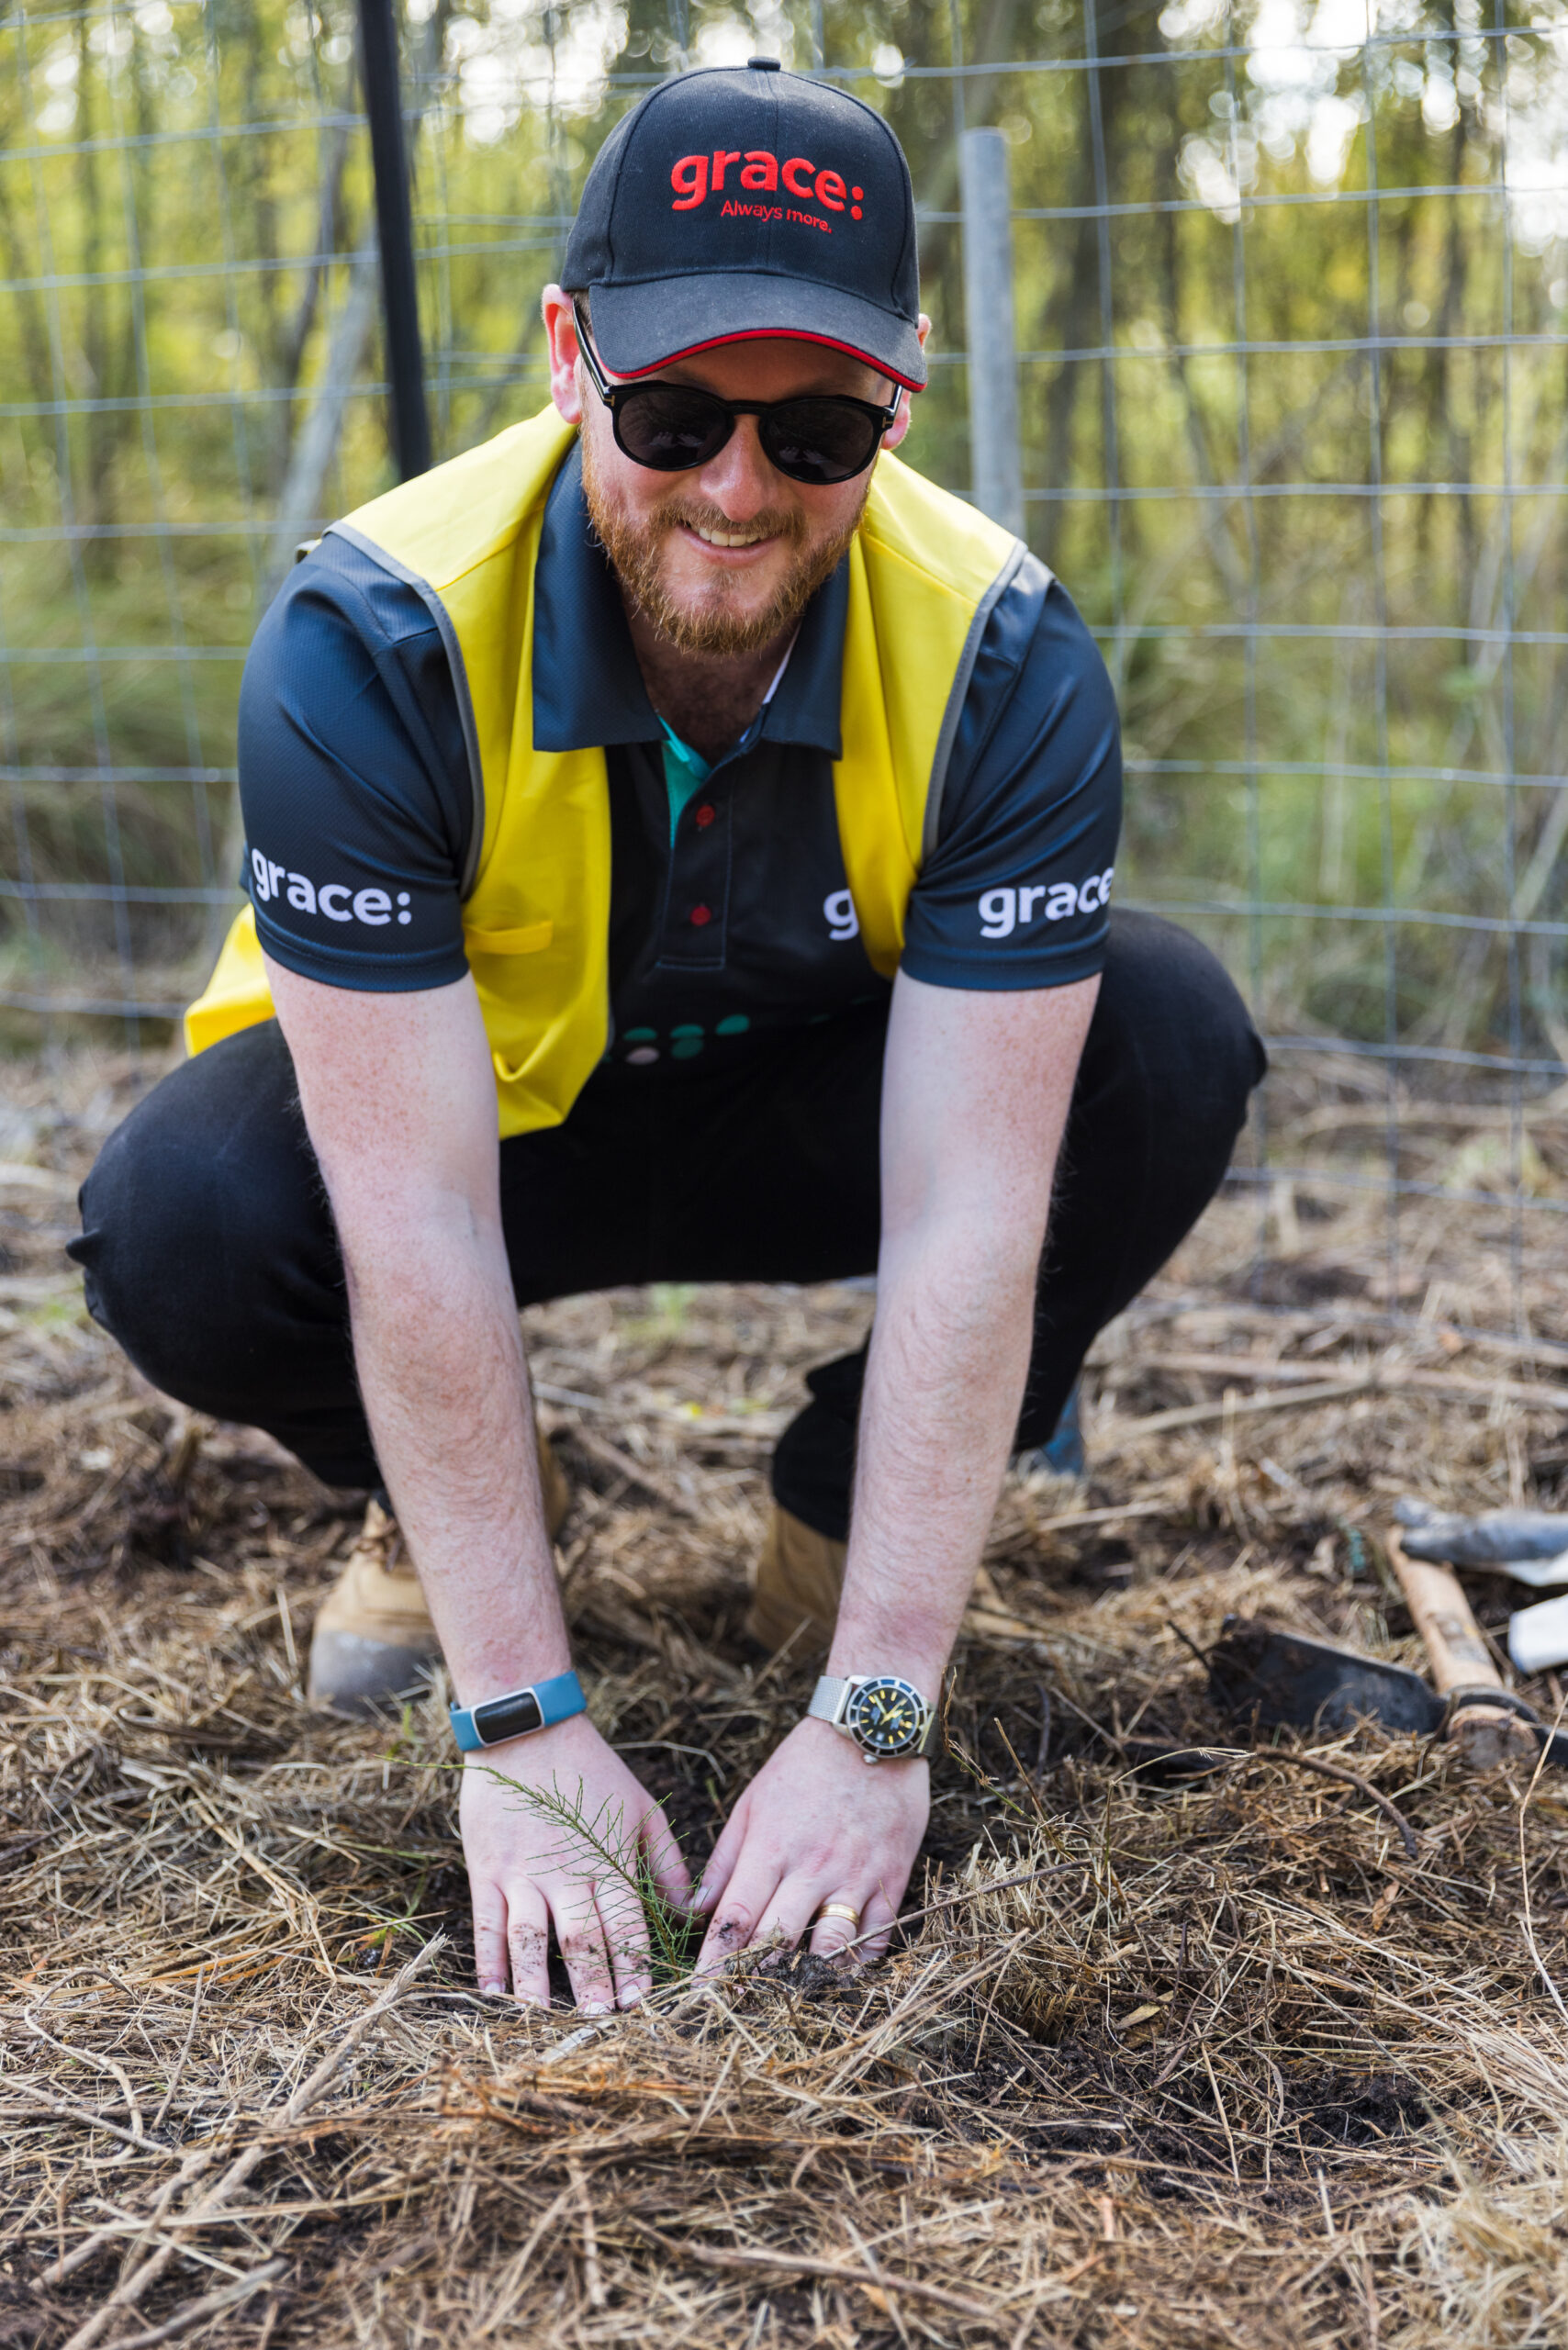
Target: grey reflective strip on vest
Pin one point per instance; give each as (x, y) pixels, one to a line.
(442, 619)
(931, 831)
(935, 792)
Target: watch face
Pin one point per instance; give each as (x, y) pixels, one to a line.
(505, 1718)
(886, 1719)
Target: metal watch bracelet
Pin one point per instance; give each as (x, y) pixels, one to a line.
(885, 1716)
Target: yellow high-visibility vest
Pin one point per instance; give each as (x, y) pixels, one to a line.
(925, 571)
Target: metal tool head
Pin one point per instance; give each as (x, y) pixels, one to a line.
(1261, 1671)
(1502, 1540)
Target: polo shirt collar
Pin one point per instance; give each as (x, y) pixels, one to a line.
(588, 689)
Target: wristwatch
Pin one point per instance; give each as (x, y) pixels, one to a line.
(888, 1719)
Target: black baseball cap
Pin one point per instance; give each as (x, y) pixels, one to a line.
(740, 201)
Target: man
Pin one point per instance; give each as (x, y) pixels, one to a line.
(692, 793)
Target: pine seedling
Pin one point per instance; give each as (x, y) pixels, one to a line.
(605, 1847)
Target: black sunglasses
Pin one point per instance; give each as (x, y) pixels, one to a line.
(672, 428)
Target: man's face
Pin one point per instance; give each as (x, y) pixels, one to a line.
(722, 559)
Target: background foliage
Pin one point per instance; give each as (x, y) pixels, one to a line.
(1297, 448)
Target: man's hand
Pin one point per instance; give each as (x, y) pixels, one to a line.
(816, 1824)
(529, 1862)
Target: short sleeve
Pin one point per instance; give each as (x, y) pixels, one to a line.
(354, 780)
(1015, 891)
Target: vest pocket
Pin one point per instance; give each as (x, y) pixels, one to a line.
(505, 993)
(529, 940)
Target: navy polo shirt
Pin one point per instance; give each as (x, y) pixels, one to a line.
(730, 914)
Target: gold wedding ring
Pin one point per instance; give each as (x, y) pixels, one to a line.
(839, 1909)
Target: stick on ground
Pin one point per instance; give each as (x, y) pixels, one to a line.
(131, 2290)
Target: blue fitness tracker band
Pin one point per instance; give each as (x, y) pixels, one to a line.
(537, 1707)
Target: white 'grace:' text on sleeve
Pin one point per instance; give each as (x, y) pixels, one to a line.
(333, 898)
(1001, 910)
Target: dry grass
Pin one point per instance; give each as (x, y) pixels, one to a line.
(1195, 2065)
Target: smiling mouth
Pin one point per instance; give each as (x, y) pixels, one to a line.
(737, 538)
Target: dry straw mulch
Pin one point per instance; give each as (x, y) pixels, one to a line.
(1157, 2061)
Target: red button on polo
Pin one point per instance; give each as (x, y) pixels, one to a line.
(705, 816)
(700, 914)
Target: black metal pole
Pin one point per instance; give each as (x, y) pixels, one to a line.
(395, 230)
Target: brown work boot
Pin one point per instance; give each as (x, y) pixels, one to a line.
(373, 1638)
(800, 1578)
(556, 1487)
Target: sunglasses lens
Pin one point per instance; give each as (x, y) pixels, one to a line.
(672, 426)
(820, 440)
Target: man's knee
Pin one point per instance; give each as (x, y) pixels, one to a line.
(142, 1246)
(186, 1198)
(1169, 1006)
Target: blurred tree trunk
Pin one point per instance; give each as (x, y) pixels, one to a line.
(1443, 428)
(254, 187)
(97, 504)
(1214, 520)
(329, 236)
(1069, 315)
(141, 183)
(1072, 316)
(32, 326)
(993, 41)
(316, 443)
(332, 238)
(1402, 369)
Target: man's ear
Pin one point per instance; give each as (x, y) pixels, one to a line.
(561, 334)
(896, 432)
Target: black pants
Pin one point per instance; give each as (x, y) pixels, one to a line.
(211, 1256)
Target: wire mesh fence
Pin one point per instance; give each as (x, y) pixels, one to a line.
(1290, 284)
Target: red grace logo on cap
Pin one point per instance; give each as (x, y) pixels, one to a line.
(761, 173)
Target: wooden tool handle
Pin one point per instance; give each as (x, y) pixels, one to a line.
(1458, 1656)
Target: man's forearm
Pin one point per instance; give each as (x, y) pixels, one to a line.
(976, 1091)
(445, 1387)
(949, 1358)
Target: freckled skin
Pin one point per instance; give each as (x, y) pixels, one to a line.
(399, 1095)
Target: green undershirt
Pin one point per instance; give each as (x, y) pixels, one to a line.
(685, 772)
